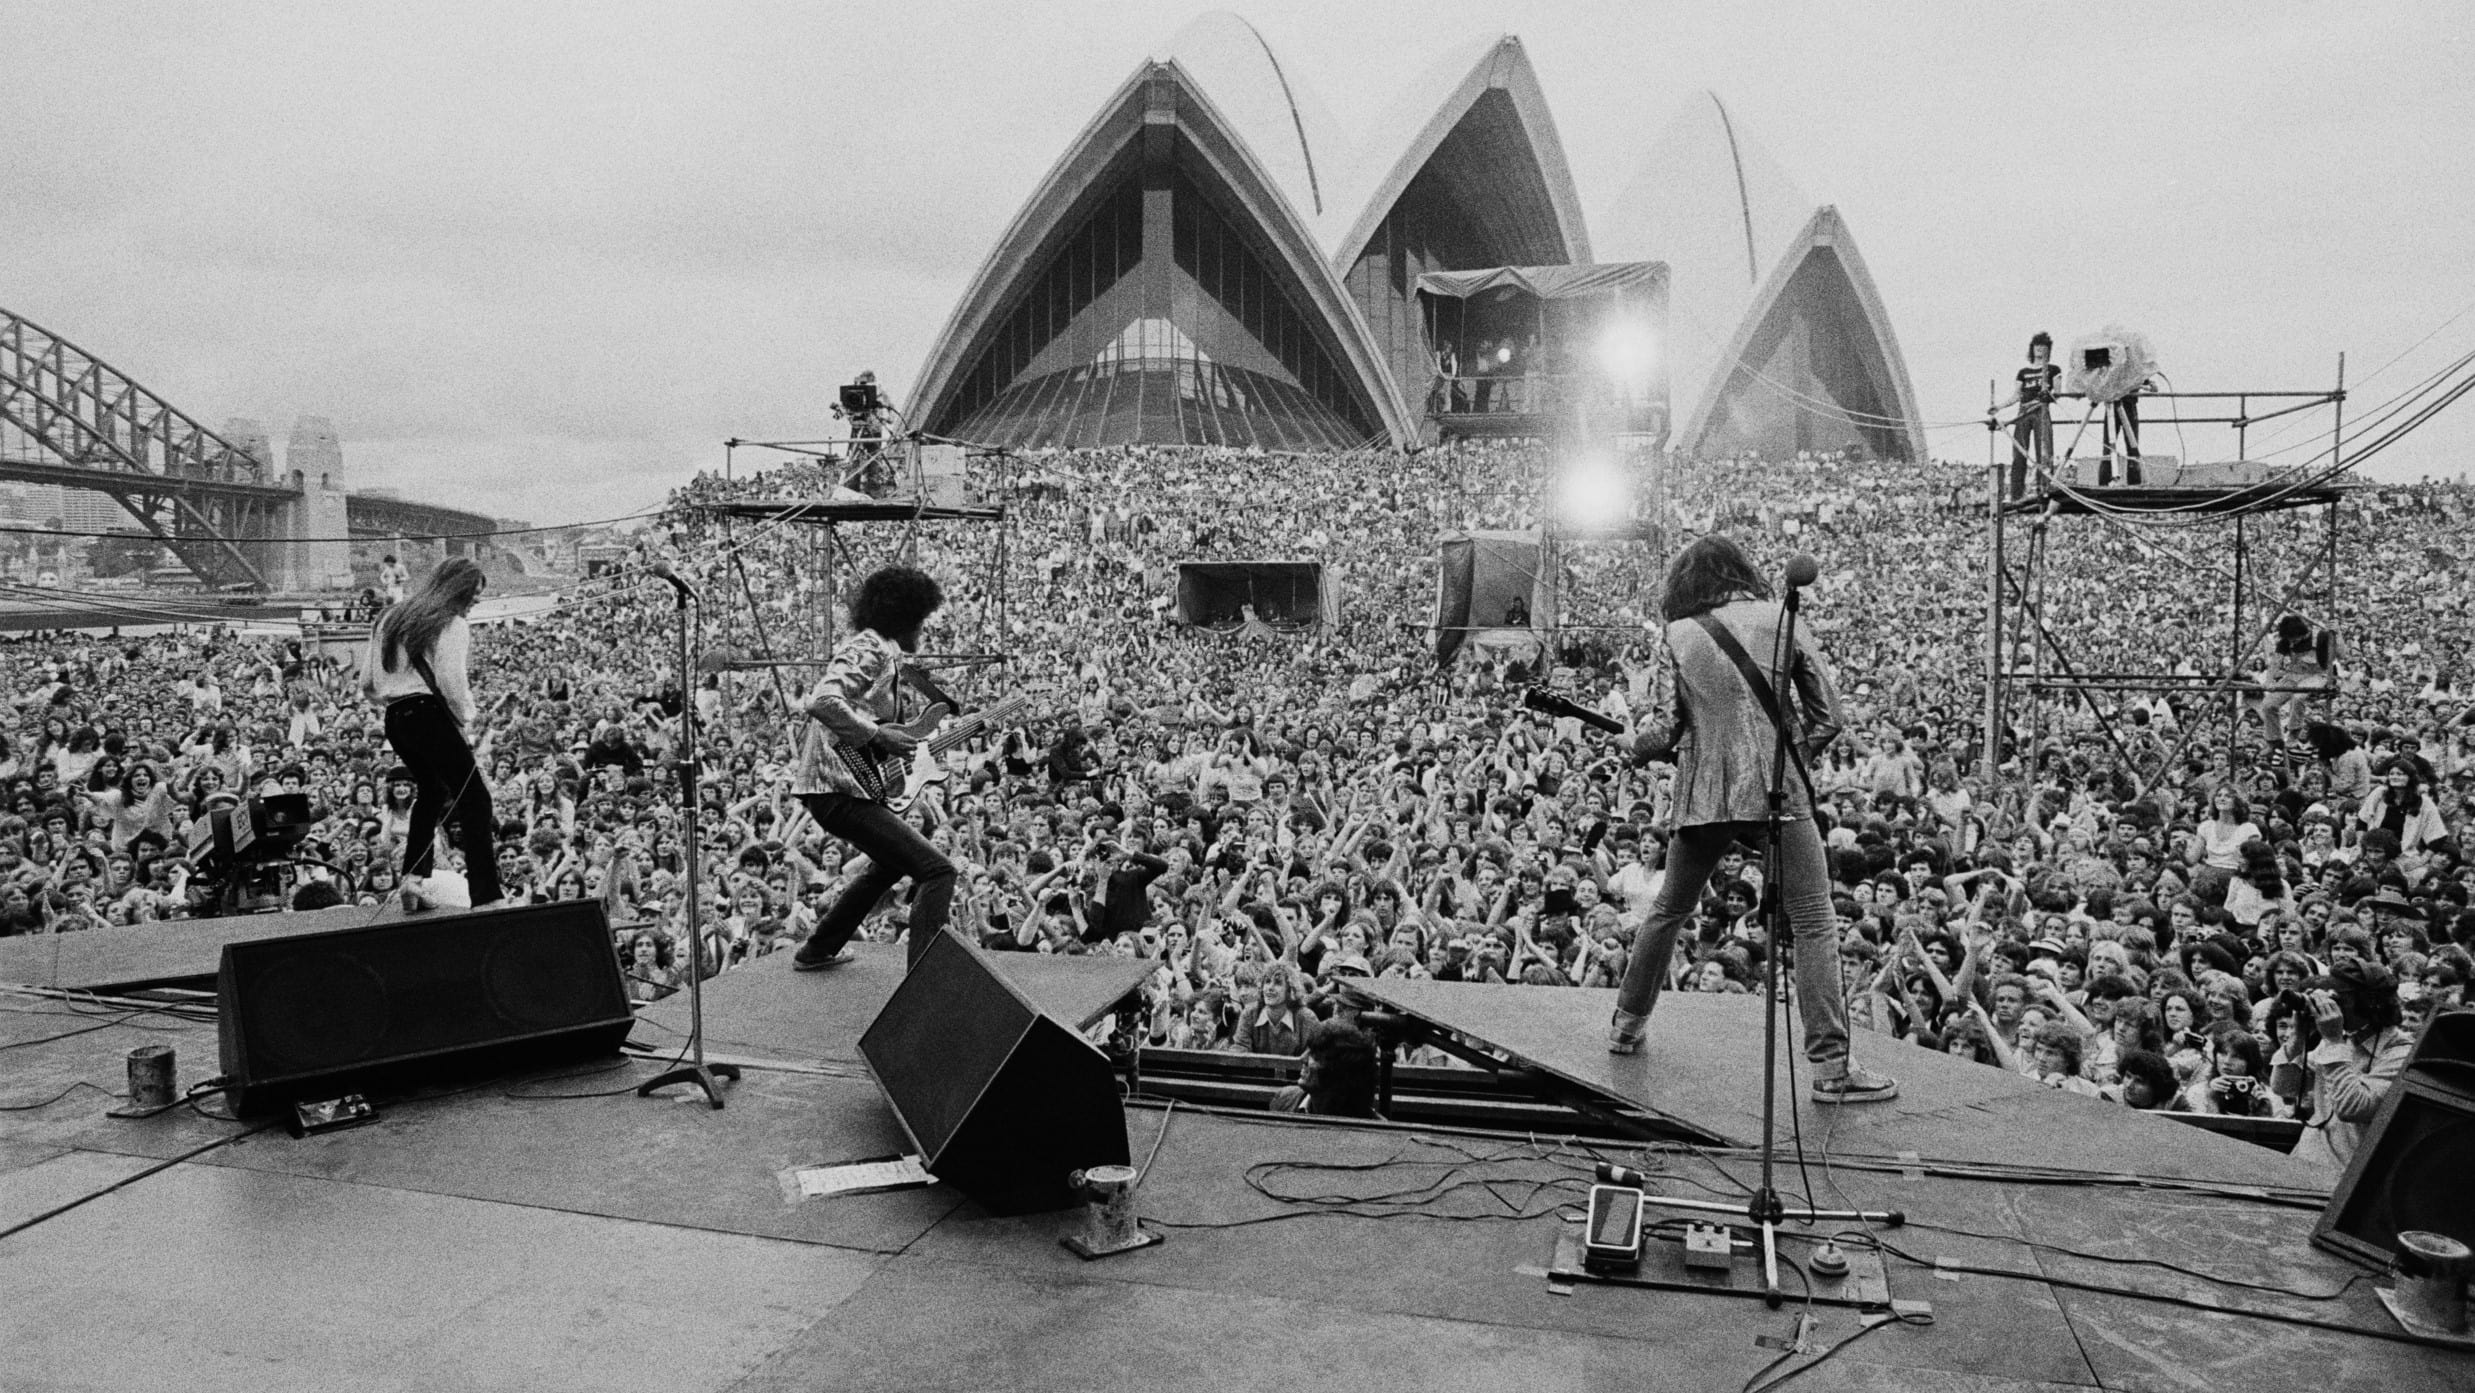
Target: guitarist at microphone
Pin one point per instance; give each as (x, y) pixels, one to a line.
(857, 702)
(1720, 727)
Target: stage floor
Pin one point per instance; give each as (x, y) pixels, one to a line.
(1700, 1068)
(502, 1236)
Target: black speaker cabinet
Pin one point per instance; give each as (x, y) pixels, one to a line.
(1000, 1101)
(409, 1001)
(2412, 1171)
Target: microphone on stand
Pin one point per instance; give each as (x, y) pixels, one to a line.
(1802, 570)
(687, 593)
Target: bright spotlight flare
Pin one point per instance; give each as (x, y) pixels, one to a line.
(1627, 350)
(1595, 492)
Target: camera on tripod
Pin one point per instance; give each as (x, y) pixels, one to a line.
(244, 834)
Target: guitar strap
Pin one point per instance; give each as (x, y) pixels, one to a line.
(1754, 678)
(918, 680)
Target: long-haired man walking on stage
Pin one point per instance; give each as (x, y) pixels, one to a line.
(857, 702)
(1718, 727)
(416, 665)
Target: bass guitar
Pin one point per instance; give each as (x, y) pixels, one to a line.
(897, 781)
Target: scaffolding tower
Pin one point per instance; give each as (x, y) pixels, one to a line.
(2220, 498)
(911, 503)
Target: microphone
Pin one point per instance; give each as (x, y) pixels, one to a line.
(663, 569)
(1610, 1173)
(1802, 570)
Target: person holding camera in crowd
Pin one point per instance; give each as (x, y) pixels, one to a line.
(2360, 1048)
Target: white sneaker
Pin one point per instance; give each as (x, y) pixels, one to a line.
(1854, 1084)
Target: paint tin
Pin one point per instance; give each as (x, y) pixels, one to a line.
(2432, 1275)
(150, 1076)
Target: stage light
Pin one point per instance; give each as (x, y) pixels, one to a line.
(1594, 492)
(1504, 354)
(1627, 350)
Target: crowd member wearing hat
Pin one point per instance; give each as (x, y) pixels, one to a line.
(2360, 1048)
(1716, 730)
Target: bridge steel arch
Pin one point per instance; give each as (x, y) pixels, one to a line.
(71, 419)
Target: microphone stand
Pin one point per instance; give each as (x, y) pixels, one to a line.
(691, 783)
(1766, 1209)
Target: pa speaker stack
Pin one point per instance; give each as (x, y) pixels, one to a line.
(1000, 1101)
(2412, 1171)
(406, 1002)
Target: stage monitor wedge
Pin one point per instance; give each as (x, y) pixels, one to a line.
(1001, 1101)
(406, 1002)
(2413, 1167)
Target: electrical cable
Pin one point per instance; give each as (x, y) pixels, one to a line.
(1154, 1154)
(2345, 455)
(2177, 1268)
(72, 1088)
(1868, 1324)
(2161, 1298)
(1514, 1198)
(2395, 359)
(156, 1169)
(1872, 1237)
(586, 1074)
(66, 1034)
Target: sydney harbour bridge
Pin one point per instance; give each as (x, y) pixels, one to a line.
(217, 501)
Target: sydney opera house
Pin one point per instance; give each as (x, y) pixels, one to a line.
(1211, 262)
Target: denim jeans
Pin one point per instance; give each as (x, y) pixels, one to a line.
(895, 849)
(427, 739)
(2032, 438)
(1691, 856)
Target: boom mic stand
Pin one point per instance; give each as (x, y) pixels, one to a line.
(1765, 1208)
(691, 784)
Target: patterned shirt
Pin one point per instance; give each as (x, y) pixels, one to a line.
(856, 692)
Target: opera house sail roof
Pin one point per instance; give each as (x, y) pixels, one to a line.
(1813, 365)
(1208, 262)
(1159, 287)
(1466, 172)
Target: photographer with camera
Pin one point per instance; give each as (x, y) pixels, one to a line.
(2361, 1047)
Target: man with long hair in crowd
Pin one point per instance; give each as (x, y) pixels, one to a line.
(417, 665)
(1719, 729)
(856, 704)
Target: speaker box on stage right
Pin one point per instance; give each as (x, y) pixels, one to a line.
(406, 1002)
(1002, 1102)
(2412, 1171)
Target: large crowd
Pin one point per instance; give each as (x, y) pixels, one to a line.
(2126, 899)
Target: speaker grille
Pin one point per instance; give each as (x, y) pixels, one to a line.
(321, 1010)
(2416, 1176)
(398, 1001)
(533, 981)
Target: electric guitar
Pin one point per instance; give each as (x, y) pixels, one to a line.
(1540, 699)
(897, 781)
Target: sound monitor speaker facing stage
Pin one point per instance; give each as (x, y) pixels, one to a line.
(1002, 1102)
(2412, 1171)
(408, 1001)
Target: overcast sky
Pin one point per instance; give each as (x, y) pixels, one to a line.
(541, 259)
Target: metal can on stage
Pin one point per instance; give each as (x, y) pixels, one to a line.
(150, 1076)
